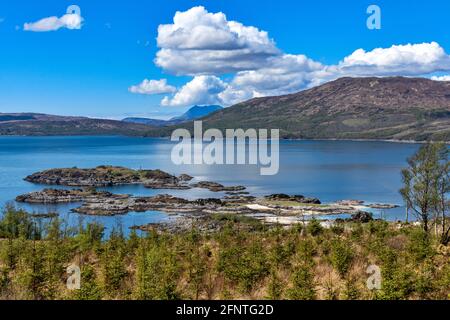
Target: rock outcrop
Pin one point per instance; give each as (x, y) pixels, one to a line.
(163, 203)
(217, 187)
(104, 176)
(54, 196)
(296, 198)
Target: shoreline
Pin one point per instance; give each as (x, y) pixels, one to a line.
(168, 138)
(235, 203)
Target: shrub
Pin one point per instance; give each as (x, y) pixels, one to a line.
(378, 228)
(89, 290)
(302, 283)
(337, 229)
(351, 291)
(396, 281)
(15, 223)
(314, 227)
(157, 273)
(275, 287)
(420, 245)
(245, 266)
(341, 257)
(357, 231)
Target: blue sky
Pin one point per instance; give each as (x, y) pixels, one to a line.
(89, 70)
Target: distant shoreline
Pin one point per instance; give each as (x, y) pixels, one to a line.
(281, 139)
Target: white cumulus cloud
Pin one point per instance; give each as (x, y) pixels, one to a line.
(70, 21)
(409, 59)
(284, 74)
(202, 90)
(199, 42)
(151, 87)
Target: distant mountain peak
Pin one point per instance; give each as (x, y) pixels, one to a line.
(197, 112)
(194, 113)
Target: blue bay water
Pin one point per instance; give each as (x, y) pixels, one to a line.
(329, 170)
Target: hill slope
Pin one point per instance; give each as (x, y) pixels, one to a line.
(34, 124)
(348, 108)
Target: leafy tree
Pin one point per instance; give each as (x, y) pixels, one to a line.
(426, 182)
(443, 204)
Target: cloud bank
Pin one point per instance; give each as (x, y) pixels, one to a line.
(207, 46)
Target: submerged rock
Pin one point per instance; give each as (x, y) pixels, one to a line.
(357, 203)
(295, 198)
(382, 206)
(240, 198)
(237, 193)
(351, 202)
(209, 201)
(49, 215)
(217, 187)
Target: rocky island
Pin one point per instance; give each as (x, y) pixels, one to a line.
(104, 176)
(55, 196)
(107, 176)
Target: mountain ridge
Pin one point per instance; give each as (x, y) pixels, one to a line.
(389, 108)
(371, 108)
(39, 124)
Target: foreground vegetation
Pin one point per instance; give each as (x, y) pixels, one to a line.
(242, 258)
(238, 262)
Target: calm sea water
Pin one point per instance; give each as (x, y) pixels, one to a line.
(329, 170)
